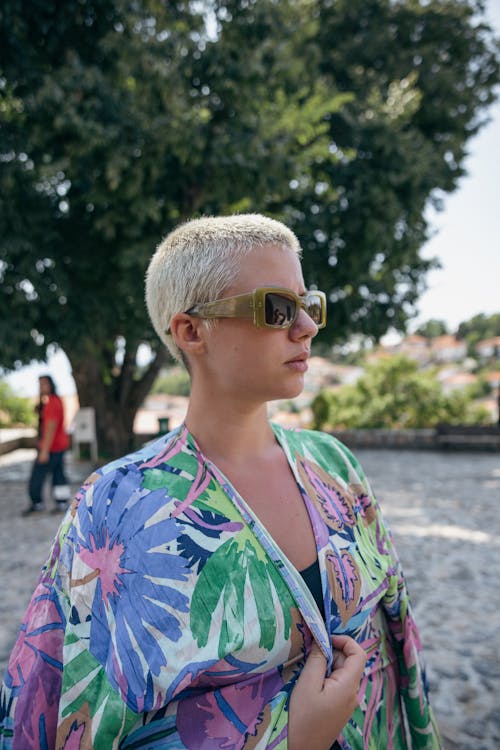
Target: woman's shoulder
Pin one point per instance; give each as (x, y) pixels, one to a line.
(164, 463)
(321, 447)
(304, 436)
(52, 403)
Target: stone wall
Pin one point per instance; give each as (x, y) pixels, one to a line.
(444, 437)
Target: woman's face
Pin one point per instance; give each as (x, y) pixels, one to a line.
(260, 364)
(45, 389)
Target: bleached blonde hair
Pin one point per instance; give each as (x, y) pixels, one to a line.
(199, 260)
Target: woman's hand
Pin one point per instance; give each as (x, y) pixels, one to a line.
(43, 456)
(321, 706)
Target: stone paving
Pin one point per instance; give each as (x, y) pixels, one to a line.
(443, 509)
(444, 513)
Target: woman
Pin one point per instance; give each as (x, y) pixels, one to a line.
(218, 589)
(53, 442)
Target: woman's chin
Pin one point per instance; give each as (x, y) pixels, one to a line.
(291, 391)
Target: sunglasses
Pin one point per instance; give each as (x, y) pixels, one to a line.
(268, 307)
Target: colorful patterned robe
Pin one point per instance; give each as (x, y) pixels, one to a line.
(167, 617)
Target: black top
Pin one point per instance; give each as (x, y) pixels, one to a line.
(312, 578)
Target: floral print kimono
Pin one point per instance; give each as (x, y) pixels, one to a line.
(167, 617)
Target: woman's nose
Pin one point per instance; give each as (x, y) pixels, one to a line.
(304, 326)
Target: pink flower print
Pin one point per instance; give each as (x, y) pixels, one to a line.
(125, 548)
(104, 561)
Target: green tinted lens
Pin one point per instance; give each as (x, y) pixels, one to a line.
(280, 310)
(314, 307)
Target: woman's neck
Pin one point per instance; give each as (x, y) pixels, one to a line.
(234, 433)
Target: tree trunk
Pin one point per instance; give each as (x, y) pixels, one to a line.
(115, 392)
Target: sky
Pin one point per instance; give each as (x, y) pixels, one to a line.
(466, 240)
(467, 236)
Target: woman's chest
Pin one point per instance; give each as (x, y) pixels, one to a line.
(276, 500)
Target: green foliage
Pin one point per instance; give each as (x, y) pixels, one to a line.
(321, 409)
(412, 66)
(432, 328)
(15, 410)
(394, 393)
(480, 389)
(175, 382)
(478, 328)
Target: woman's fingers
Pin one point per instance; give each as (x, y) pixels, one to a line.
(349, 660)
(320, 706)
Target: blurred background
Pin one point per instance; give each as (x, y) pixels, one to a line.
(370, 128)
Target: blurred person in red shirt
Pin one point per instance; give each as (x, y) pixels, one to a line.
(53, 442)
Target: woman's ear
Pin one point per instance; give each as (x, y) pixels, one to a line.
(187, 333)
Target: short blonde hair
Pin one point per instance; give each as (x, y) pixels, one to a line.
(199, 260)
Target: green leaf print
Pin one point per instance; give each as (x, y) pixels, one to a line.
(221, 584)
(215, 500)
(156, 479)
(261, 587)
(96, 696)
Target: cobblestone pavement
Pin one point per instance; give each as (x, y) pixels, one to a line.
(444, 512)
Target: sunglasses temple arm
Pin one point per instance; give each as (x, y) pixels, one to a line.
(231, 307)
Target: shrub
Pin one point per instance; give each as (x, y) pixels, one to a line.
(394, 393)
(15, 410)
(175, 382)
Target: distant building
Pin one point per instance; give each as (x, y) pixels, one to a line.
(381, 353)
(323, 374)
(457, 380)
(415, 347)
(488, 348)
(160, 406)
(447, 348)
(493, 378)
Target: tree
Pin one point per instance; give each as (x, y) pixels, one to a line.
(432, 328)
(478, 328)
(421, 73)
(175, 381)
(121, 119)
(394, 394)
